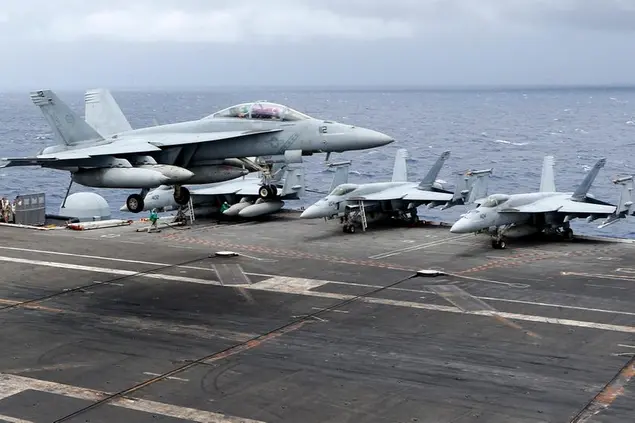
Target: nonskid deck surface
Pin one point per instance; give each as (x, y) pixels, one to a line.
(310, 324)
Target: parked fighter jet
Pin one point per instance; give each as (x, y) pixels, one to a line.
(355, 203)
(517, 215)
(187, 152)
(242, 193)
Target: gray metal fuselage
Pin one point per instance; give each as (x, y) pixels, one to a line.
(334, 205)
(309, 136)
(485, 216)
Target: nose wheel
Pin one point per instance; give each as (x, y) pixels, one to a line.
(499, 244)
(349, 229)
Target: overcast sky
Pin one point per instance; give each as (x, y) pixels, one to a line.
(179, 43)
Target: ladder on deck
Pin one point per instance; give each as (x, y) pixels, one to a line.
(190, 211)
(362, 212)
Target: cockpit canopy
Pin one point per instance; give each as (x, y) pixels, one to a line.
(343, 189)
(261, 110)
(495, 200)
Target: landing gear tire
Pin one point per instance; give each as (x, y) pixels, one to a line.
(267, 191)
(134, 202)
(568, 234)
(183, 196)
(349, 229)
(499, 244)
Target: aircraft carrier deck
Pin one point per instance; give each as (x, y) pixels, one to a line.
(308, 324)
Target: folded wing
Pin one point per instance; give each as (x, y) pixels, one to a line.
(566, 206)
(405, 193)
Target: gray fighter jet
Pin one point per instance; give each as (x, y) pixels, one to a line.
(241, 194)
(516, 215)
(187, 152)
(355, 204)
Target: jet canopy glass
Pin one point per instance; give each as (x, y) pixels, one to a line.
(343, 189)
(262, 111)
(495, 200)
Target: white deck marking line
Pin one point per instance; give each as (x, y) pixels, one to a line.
(468, 302)
(599, 310)
(626, 346)
(601, 276)
(304, 286)
(418, 247)
(151, 263)
(333, 310)
(110, 271)
(169, 377)
(13, 419)
(604, 286)
(12, 384)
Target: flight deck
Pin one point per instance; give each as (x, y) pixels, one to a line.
(289, 320)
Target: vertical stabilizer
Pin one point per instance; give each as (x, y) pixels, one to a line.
(278, 171)
(478, 185)
(583, 188)
(624, 206)
(400, 168)
(103, 113)
(547, 180)
(472, 186)
(68, 128)
(341, 174)
(431, 177)
(293, 180)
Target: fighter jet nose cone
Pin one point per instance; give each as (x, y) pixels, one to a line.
(375, 138)
(383, 139)
(311, 213)
(460, 227)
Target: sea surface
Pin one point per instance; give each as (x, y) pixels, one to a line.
(510, 130)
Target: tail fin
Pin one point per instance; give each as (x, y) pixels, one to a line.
(103, 113)
(341, 174)
(67, 127)
(431, 177)
(624, 206)
(400, 168)
(293, 180)
(278, 171)
(547, 180)
(472, 186)
(583, 188)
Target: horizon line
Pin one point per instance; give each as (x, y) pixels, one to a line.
(336, 87)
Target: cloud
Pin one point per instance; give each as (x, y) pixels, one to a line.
(294, 21)
(281, 21)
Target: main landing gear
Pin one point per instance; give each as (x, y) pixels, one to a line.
(268, 191)
(135, 202)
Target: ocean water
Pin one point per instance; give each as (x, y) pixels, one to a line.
(509, 130)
